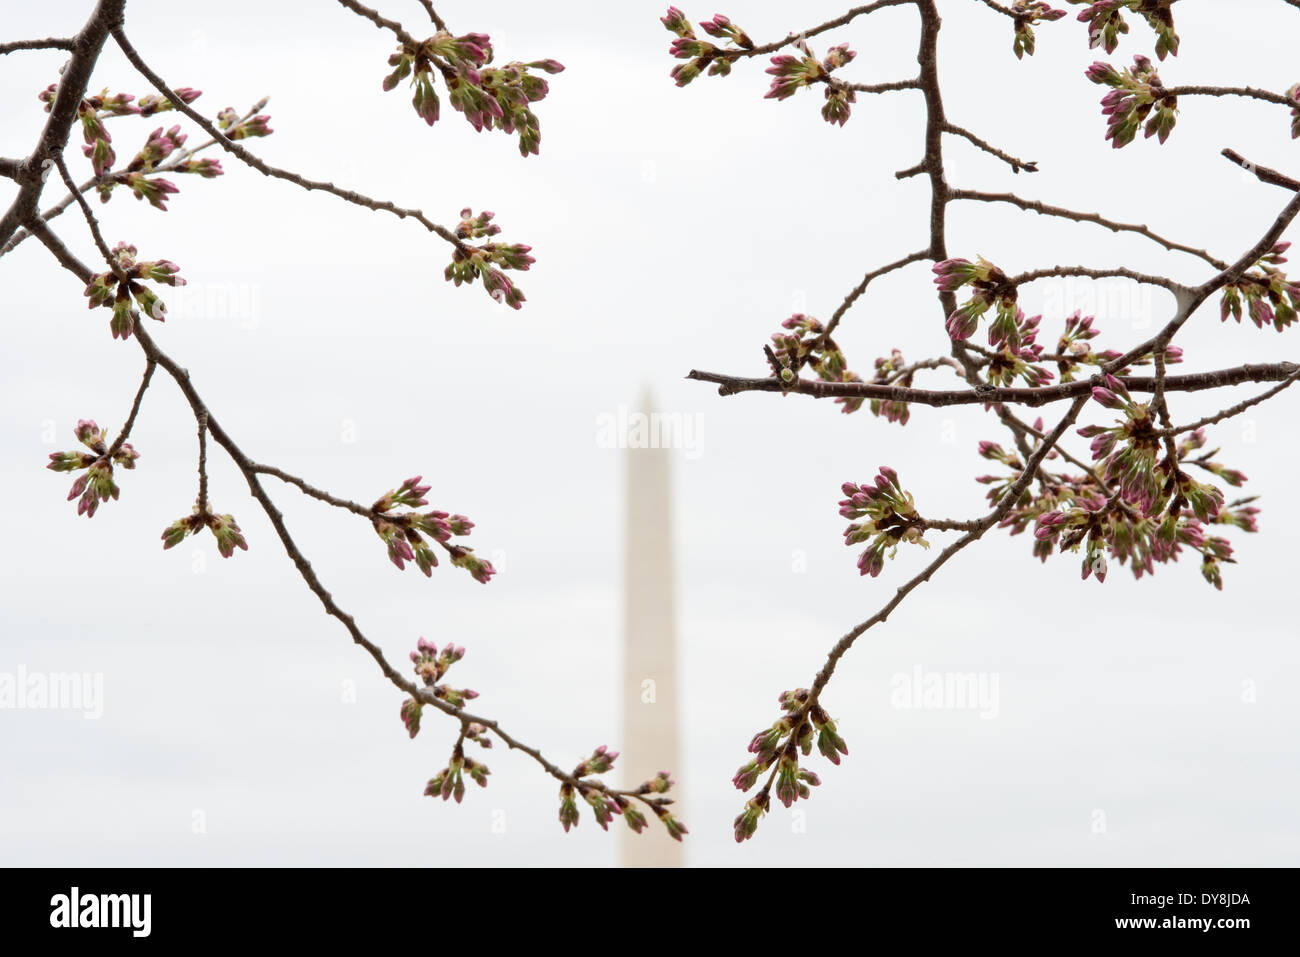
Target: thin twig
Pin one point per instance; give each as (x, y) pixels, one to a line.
(861, 287)
(1033, 205)
(1237, 409)
(122, 436)
(1016, 164)
(49, 43)
(1263, 173)
(384, 24)
(202, 419)
(433, 14)
(1245, 91)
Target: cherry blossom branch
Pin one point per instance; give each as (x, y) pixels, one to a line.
(249, 159)
(202, 419)
(1006, 11)
(63, 111)
(113, 175)
(981, 526)
(433, 14)
(1250, 92)
(1016, 164)
(49, 43)
(125, 434)
(1032, 205)
(1237, 409)
(1118, 272)
(250, 470)
(1128, 503)
(856, 292)
(312, 491)
(886, 87)
(1263, 173)
(1192, 382)
(67, 104)
(837, 22)
(91, 221)
(384, 24)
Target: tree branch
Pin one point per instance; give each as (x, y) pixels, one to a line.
(1266, 95)
(985, 394)
(250, 470)
(63, 111)
(1016, 164)
(1237, 409)
(49, 43)
(348, 195)
(1263, 173)
(1044, 209)
(384, 24)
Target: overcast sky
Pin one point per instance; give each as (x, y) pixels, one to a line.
(1148, 723)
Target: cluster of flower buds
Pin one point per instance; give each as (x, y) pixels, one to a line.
(891, 517)
(97, 484)
(1157, 510)
(1027, 13)
(157, 148)
(239, 128)
(805, 343)
(117, 288)
(223, 527)
(569, 815)
(793, 73)
(1070, 513)
(790, 73)
(701, 55)
(1270, 297)
(489, 97)
(1074, 349)
(1000, 484)
(892, 370)
(450, 781)
(1128, 450)
(487, 261)
(142, 175)
(1105, 533)
(1293, 94)
(606, 803)
(1016, 361)
(990, 288)
(1195, 441)
(600, 762)
(93, 110)
(602, 803)
(675, 828)
(1105, 19)
(430, 665)
(1137, 96)
(780, 746)
(404, 533)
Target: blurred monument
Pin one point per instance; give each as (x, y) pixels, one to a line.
(649, 638)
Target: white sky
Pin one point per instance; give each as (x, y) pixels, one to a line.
(673, 229)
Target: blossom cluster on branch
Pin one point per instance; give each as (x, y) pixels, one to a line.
(490, 97)
(1147, 492)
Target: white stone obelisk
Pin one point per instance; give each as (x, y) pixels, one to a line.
(650, 682)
